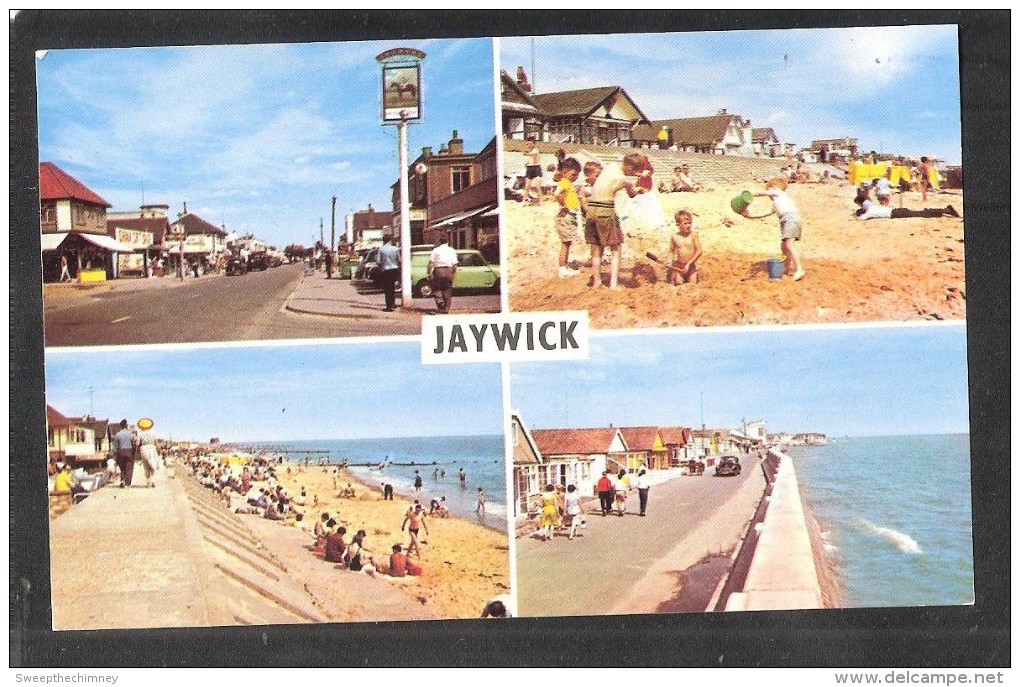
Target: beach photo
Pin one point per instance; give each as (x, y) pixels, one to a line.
(280, 484)
(778, 469)
(265, 191)
(735, 177)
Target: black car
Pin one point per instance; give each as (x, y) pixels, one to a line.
(727, 466)
(236, 265)
(258, 261)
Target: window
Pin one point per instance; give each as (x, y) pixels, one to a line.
(460, 178)
(49, 213)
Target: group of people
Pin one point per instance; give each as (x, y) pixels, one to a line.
(560, 508)
(331, 543)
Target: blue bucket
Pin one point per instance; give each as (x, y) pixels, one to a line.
(775, 267)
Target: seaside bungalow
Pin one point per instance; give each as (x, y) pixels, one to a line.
(711, 443)
(74, 438)
(526, 460)
(145, 231)
(835, 150)
(73, 225)
(677, 441)
(578, 456)
(602, 116)
(522, 116)
(645, 447)
(765, 142)
(721, 134)
(203, 241)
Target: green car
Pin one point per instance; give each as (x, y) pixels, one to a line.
(474, 274)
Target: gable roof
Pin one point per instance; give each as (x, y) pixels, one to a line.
(56, 184)
(583, 101)
(527, 453)
(674, 435)
(640, 438)
(54, 418)
(157, 225)
(696, 131)
(193, 225)
(763, 134)
(516, 97)
(573, 441)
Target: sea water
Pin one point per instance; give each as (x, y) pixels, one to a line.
(896, 516)
(481, 458)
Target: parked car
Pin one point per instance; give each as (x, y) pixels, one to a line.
(368, 270)
(727, 466)
(236, 265)
(474, 274)
(258, 261)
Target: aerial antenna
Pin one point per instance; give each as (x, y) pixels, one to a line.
(534, 81)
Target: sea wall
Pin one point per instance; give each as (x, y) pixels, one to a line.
(783, 572)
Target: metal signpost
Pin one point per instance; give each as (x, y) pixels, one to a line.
(402, 103)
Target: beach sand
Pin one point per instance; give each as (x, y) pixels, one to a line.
(879, 270)
(465, 564)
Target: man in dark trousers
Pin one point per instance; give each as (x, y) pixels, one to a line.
(124, 445)
(389, 266)
(605, 489)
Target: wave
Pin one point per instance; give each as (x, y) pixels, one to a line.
(904, 542)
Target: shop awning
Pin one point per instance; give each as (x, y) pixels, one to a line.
(108, 242)
(465, 215)
(52, 241)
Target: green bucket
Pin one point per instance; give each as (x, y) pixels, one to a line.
(740, 203)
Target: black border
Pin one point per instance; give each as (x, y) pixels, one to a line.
(976, 636)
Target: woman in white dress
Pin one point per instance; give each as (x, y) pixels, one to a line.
(147, 450)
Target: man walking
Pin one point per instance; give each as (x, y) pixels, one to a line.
(442, 270)
(124, 444)
(641, 482)
(389, 266)
(605, 489)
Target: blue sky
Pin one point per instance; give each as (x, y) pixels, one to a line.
(894, 88)
(257, 137)
(320, 391)
(846, 381)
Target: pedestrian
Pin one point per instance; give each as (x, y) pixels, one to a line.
(329, 264)
(572, 505)
(442, 271)
(548, 518)
(480, 502)
(65, 276)
(621, 487)
(147, 450)
(414, 520)
(389, 265)
(124, 444)
(605, 489)
(462, 476)
(387, 492)
(641, 482)
(417, 481)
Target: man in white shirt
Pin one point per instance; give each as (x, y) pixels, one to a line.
(442, 270)
(641, 482)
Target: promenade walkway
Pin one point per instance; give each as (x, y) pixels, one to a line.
(174, 556)
(634, 564)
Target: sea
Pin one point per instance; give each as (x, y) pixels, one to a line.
(481, 458)
(895, 514)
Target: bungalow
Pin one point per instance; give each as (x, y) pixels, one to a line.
(605, 115)
(677, 441)
(578, 456)
(75, 438)
(710, 443)
(73, 225)
(145, 231)
(721, 134)
(522, 116)
(645, 447)
(765, 142)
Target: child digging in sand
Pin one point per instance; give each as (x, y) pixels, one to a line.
(684, 250)
(789, 222)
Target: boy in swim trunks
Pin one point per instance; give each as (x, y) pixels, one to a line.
(414, 520)
(533, 175)
(684, 250)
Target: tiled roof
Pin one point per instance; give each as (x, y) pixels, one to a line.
(639, 438)
(56, 184)
(157, 225)
(194, 225)
(763, 134)
(695, 131)
(573, 441)
(517, 94)
(674, 435)
(54, 418)
(371, 219)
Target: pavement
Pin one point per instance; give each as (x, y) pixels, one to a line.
(317, 295)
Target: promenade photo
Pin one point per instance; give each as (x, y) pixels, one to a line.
(735, 178)
(252, 192)
(304, 484)
(699, 472)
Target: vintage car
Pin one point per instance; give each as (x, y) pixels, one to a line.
(236, 265)
(258, 262)
(727, 466)
(474, 274)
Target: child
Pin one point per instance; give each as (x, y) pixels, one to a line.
(789, 222)
(602, 226)
(570, 208)
(684, 250)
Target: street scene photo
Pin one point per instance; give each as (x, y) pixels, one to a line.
(774, 470)
(335, 189)
(266, 485)
(735, 177)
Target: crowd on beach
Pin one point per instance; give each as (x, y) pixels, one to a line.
(586, 196)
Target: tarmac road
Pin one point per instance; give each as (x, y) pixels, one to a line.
(609, 569)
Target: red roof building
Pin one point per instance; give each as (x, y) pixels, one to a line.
(67, 205)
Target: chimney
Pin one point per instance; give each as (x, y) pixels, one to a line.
(426, 151)
(443, 150)
(185, 204)
(722, 111)
(456, 144)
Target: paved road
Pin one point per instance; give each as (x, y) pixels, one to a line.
(211, 308)
(593, 574)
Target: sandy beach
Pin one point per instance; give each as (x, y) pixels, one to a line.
(879, 270)
(465, 564)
